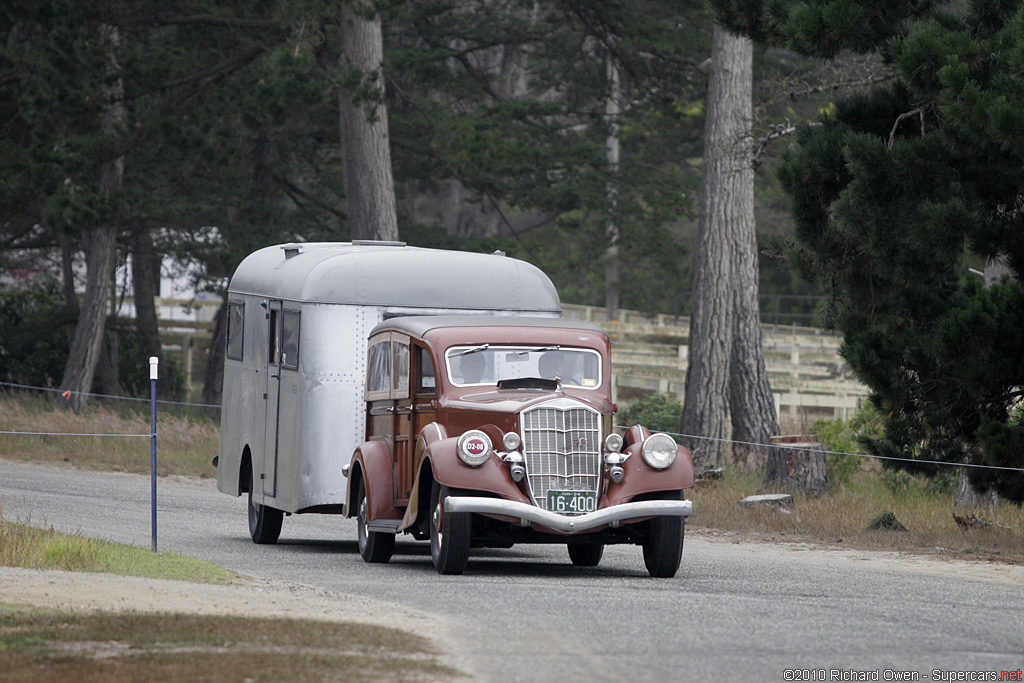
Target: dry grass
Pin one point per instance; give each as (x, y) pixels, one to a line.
(42, 646)
(843, 518)
(185, 446)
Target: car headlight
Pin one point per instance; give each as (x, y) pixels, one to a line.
(511, 441)
(659, 451)
(613, 443)
(474, 447)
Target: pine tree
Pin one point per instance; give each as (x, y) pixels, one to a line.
(896, 193)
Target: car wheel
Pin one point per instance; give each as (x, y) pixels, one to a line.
(663, 548)
(586, 554)
(449, 534)
(264, 522)
(374, 546)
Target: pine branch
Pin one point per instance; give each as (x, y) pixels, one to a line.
(796, 95)
(219, 71)
(212, 20)
(899, 119)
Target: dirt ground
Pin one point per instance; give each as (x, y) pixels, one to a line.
(80, 591)
(900, 561)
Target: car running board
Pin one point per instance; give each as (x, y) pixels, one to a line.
(384, 526)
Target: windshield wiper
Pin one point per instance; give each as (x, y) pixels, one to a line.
(538, 349)
(472, 350)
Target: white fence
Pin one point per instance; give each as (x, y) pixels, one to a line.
(808, 377)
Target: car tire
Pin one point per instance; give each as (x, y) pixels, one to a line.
(449, 534)
(586, 554)
(663, 548)
(264, 522)
(374, 546)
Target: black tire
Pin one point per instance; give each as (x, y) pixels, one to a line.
(586, 554)
(264, 522)
(449, 534)
(374, 546)
(663, 549)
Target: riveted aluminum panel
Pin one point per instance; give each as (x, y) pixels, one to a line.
(395, 276)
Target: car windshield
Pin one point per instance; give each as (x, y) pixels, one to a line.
(488, 364)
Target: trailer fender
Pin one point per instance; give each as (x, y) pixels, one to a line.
(371, 464)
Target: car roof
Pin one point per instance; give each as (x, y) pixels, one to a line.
(420, 325)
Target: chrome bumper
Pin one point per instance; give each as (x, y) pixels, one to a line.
(610, 515)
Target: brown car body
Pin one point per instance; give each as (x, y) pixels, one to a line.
(409, 477)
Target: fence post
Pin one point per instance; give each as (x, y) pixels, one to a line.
(154, 362)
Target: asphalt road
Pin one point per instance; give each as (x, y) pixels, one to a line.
(732, 613)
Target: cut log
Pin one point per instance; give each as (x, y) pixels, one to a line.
(797, 465)
(782, 500)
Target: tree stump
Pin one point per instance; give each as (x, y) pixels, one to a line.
(797, 466)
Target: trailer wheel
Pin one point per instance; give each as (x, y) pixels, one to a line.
(449, 534)
(663, 548)
(374, 546)
(264, 521)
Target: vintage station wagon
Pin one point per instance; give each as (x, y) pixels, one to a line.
(438, 394)
(492, 431)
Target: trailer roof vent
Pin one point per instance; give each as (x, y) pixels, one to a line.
(291, 250)
(377, 243)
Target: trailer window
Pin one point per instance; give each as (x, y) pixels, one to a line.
(290, 338)
(378, 371)
(236, 320)
(274, 338)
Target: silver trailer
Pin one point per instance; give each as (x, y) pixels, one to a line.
(298, 320)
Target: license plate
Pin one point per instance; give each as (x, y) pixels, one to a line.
(572, 502)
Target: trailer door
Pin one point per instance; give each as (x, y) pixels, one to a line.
(273, 416)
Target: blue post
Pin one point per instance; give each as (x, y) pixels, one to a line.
(153, 364)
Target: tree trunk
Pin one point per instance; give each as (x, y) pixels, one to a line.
(751, 404)
(87, 343)
(726, 175)
(966, 495)
(369, 186)
(67, 264)
(611, 270)
(213, 383)
(101, 248)
(146, 326)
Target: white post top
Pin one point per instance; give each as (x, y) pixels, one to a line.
(153, 363)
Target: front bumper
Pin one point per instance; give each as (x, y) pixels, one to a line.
(609, 515)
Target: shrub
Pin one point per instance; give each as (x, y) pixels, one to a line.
(846, 439)
(657, 412)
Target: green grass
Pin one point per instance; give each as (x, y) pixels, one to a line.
(24, 545)
(41, 646)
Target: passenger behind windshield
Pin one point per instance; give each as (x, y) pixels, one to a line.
(486, 365)
(471, 367)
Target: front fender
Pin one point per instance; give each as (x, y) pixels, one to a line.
(640, 478)
(372, 464)
(491, 477)
(441, 462)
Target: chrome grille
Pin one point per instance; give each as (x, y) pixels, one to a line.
(562, 446)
